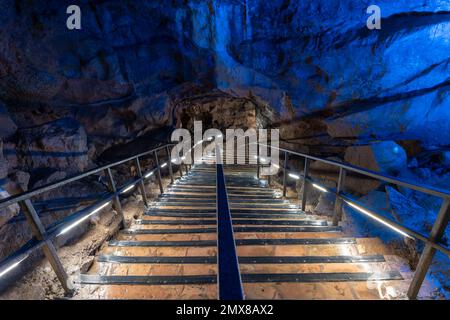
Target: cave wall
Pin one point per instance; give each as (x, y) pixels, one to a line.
(332, 82)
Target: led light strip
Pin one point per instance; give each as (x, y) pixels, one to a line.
(127, 189)
(148, 175)
(14, 265)
(319, 187)
(364, 211)
(294, 176)
(73, 225)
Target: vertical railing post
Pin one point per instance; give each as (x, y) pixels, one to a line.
(305, 184)
(39, 232)
(141, 184)
(286, 155)
(258, 164)
(112, 188)
(428, 252)
(337, 214)
(181, 170)
(158, 171)
(170, 164)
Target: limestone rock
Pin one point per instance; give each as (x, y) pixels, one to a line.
(446, 159)
(60, 144)
(385, 157)
(3, 163)
(7, 213)
(7, 125)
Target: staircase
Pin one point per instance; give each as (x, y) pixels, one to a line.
(283, 253)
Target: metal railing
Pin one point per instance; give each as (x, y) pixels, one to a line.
(432, 241)
(43, 238)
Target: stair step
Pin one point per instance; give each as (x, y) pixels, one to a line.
(242, 260)
(235, 229)
(239, 242)
(234, 215)
(261, 211)
(246, 278)
(261, 222)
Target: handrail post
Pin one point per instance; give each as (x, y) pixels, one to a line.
(257, 162)
(337, 214)
(170, 164)
(428, 252)
(228, 276)
(158, 170)
(141, 184)
(116, 201)
(305, 184)
(286, 156)
(39, 232)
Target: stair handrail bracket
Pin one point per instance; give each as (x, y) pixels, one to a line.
(432, 242)
(43, 237)
(228, 276)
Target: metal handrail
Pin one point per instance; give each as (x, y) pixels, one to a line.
(432, 242)
(43, 237)
(372, 174)
(28, 194)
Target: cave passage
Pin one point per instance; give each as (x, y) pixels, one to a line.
(112, 114)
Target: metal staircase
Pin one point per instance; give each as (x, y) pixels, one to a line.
(224, 232)
(172, 251)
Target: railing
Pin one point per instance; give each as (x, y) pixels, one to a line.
(229, 277)
(432, 241)
(43, 237)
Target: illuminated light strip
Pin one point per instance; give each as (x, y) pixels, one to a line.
(319, 187)
(294, 176)
(14, 265)
(164, 164)
(148, 175)
(276, 166)
(183, 158)
(362, 210)
(73, 225)
(174, 160)
(127, 189)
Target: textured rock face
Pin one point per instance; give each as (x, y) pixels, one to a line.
(387, 157)
(60, 144)
(332, 82)
(7, 213)
(303, 57)
(7, 125)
